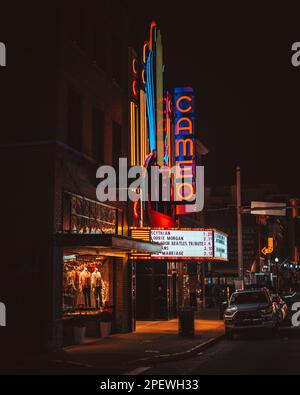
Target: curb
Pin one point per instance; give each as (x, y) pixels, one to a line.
(180, 355)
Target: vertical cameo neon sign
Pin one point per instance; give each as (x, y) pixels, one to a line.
(184, 121)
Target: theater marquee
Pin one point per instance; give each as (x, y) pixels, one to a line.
(194, 244)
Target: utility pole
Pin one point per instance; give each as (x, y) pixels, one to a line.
(239, 226)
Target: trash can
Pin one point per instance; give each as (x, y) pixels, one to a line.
(186, 323)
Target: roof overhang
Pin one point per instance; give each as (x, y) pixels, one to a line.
(105, 244)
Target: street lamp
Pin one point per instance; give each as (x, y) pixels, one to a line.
(277, 273)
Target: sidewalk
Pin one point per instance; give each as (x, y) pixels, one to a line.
(153, 342)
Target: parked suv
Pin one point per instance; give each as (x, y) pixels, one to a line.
(250, 309)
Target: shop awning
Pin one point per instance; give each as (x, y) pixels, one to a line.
(104, 243)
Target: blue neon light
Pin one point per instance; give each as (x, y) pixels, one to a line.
(150, 99)
(166, 156)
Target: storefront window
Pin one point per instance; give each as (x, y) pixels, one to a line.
(87, 284)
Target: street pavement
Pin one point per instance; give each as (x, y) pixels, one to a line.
(140, 353)
(152, 342)
(247, 355)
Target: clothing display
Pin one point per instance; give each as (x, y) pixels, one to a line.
(98, 297)
(97, 286)
(87, 296)
(96, 278)
(85, 279)
(86, 284)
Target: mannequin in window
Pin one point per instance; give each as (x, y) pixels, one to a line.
(97, 284)
(85, 286)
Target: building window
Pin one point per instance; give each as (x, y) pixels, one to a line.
(98, 135)
(87, 284)
(116, 144)
(117, 60)
(75, 120)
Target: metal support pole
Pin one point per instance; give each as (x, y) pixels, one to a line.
(239, 225)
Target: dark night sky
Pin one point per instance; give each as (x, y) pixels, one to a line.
(238, 59)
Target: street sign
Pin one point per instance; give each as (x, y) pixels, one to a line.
(268, 208)
(270, 248)
(270, 245)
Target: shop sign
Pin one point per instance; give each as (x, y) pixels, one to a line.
(220, 245)
(82, 215)
(185, 157)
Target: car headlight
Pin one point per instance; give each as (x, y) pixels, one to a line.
(268, 310)
(230, 312)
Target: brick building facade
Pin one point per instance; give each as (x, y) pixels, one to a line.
(65, 113)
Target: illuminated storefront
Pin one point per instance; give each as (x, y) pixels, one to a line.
(175, 275)
(162, 126)
(95, 258)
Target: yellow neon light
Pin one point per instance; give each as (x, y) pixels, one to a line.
(185, 150)
(180, 186)
(137, 135)
(184, 172)
(143, 76)
(179, 128)
(143, 127)
(162, 228)
(134, 66)
(146, 45)
(132, 133)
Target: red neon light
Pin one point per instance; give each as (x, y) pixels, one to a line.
(136, 216)
(161, 220)
(152, 26)
(134, 91)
